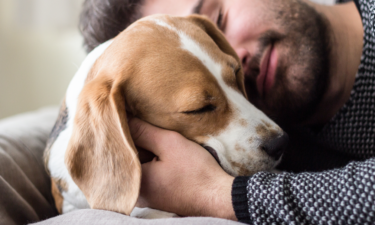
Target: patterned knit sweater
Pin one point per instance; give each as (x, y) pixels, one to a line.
(345, 195)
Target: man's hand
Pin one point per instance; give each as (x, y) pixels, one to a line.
(184, 178)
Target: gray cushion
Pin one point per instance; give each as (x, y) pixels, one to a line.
(24, 184)
(96, 217)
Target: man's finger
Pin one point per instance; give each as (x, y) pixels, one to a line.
(146, 168)
(144, 135)
(147, 136)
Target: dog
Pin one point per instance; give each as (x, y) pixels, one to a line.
(177, 73)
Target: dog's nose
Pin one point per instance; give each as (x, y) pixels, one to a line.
(275, 147)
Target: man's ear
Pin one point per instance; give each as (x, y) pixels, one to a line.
(101, 156)
(218, 37)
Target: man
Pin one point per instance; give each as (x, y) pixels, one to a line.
(320, 79)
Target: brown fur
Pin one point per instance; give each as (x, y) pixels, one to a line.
(243, 122)
(57, 196)
(261, 130)
(61, 184)
(57, 186)
(239, 148)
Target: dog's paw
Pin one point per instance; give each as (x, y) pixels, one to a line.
(148, 213)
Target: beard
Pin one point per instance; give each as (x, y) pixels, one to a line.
(301, 77)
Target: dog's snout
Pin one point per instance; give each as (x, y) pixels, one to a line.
(275, 147)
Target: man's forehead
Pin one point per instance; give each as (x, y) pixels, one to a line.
(171, 7)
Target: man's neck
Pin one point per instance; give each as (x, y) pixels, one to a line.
(346, 50)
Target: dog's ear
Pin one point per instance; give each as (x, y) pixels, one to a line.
(218, 37)
(101, 156)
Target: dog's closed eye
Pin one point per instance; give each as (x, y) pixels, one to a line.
(205, 109)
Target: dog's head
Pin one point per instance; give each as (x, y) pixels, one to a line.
(176, 73)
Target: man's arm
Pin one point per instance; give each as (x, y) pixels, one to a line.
(340, 196)
(185, 179)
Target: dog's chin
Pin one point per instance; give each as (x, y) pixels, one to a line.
(213, 153)
(266, 164)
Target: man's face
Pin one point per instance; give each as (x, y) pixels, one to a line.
(283, 45)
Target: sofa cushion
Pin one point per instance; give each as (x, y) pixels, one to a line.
(24, 184)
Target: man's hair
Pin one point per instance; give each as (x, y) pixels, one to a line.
(102, 20)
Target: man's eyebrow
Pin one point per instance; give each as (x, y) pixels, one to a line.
(197, 9)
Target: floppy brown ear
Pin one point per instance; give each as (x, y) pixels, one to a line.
(218, 37)
(101, 156)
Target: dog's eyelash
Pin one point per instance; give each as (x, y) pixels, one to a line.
(237, 70)
(207, 108)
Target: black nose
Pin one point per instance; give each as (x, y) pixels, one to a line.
(275, 147)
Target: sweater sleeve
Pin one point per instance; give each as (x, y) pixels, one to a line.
(340, 196)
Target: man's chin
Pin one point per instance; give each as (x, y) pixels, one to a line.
(291, 115)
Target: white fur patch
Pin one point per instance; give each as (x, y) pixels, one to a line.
(164, 24)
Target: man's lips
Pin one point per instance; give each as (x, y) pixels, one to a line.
(268, 67)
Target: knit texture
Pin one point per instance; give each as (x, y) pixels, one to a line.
(337, 196)
(340, 196)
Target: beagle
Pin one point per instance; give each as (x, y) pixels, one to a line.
(176, 73)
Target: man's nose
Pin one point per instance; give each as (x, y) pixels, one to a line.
(244, 56)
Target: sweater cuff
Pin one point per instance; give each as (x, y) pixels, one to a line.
(239, 199)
